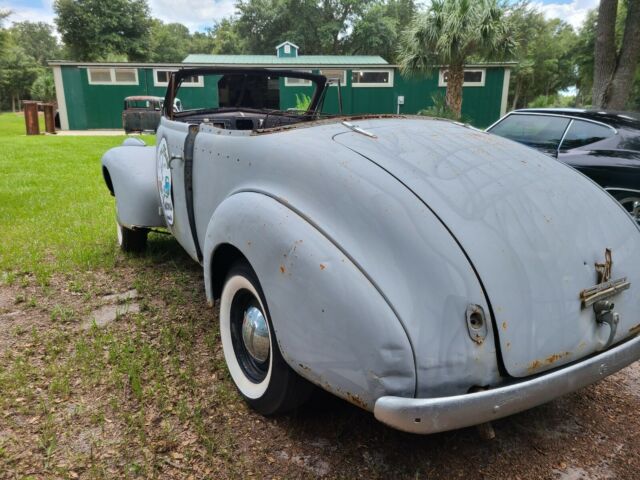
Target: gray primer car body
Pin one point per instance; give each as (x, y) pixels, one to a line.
(372, 243)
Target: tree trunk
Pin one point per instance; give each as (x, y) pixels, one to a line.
(453, 96)
(516, 95)
(622, 82)
(604, 62)
(13, 103)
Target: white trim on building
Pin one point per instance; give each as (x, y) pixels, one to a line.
(109, 76)
(60, 98)
(362, 72)
(467, 83)
(187, 82)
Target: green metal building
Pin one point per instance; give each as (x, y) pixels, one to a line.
(90, 95)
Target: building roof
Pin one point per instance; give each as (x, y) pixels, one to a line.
(300, 60)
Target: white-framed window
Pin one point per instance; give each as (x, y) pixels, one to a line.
(112, 76)
(335, 74)
(161, 78)
(297, 82)
(473, 77)
(372, 78)
(287, 48)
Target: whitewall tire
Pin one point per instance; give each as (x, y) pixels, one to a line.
(251, 351)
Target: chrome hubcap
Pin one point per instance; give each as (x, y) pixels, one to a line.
(255, 334)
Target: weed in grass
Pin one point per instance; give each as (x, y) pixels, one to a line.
(48, 440)
(59, 385)
(62, 314)
(76, 286)
(97, 417)
(8, 278)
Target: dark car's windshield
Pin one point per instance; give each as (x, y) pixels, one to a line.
(542, 132)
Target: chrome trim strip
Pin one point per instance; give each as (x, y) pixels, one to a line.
(431, 415)
(564, 134)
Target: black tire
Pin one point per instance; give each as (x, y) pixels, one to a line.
(132, 241)
(269, 386)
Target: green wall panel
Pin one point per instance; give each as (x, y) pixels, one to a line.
(100, 106)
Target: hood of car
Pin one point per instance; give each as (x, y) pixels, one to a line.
(532, 228)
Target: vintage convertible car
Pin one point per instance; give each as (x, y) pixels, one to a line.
(432, 273)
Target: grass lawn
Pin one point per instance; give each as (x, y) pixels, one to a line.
(55, 212)
(111, 365)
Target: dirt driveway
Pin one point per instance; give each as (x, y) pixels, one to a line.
(115, 374)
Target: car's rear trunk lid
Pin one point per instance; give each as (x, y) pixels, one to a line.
(532, 228)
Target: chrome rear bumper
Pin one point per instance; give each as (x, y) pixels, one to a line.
(431, 415)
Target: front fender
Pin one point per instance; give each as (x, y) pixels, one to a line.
(333, 326)
(130, 174)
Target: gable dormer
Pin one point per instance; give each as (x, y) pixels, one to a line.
(287, 50)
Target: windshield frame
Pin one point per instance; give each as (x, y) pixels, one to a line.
(176, 78)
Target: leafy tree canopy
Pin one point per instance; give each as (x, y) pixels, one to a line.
(37, 39)
(545, 52)
(94, 30)
(169, 42)
(451, 32)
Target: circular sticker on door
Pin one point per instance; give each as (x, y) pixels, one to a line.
(164, 180)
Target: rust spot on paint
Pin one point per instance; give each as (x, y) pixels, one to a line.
(550, 360)
(356, 400)
(635, 330)
(283, 269)
(248, 244)
(322, 266)
(504, 325)
(508, 345)
(535, 365)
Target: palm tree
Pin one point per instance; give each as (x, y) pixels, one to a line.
(450, 32)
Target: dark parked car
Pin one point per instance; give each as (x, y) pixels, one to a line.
(605, 146)
(141, 113)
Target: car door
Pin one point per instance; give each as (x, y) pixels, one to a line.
(174, 157)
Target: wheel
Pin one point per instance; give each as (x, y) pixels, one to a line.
(251, 350)
(630, 202)
(134, 241)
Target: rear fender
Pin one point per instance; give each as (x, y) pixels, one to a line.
(333, 326)
(130, 174)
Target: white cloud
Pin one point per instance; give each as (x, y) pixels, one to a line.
(194, 14)
(573, 12)
(22, 13)
(197, 14)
